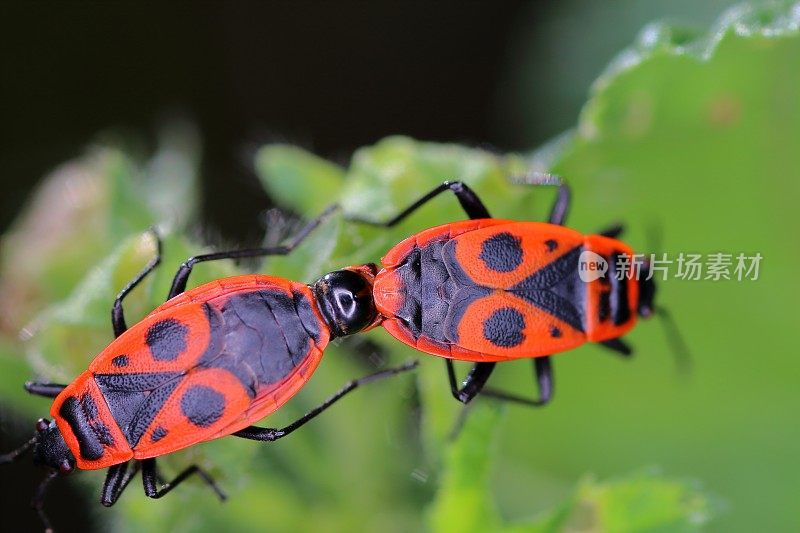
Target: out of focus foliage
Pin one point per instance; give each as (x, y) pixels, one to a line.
(696, 135)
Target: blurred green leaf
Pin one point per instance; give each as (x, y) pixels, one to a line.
(297, 179)
(462, 502)
(635, 503)
(639, 502)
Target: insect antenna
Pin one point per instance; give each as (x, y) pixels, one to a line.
(677, 344)
(15, 454)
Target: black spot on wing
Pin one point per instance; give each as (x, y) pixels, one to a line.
(120, 361)
(158, 434)
(504, 327)
(202, 405)
(502, 252)
(551, 244)
(166, 339)
(555, 332)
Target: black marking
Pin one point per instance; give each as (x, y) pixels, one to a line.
(202, 405)
(551, 244)
(305, 312)
(502, 252)
(167, 339)
(437, 292)
(81, 415)
(504, 328)
(620, 312)
(135, 399)
(103, 433)
(133, 382)
(604, 308)
(557, 289)
(260, 336)
(555, 332)
(89, 407)
(158, 434)
(120, 361)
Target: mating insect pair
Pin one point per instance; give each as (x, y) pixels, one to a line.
(213, 360)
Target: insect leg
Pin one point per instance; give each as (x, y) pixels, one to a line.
(38, 500)
(544, 378)
(272, 434)
(49, 390)
(469, 201)
(117, 479)
(472, 384)
(150, 478)
(612, 231)
(619, 346)
(182, 276)
(117, 314)
(561, 207)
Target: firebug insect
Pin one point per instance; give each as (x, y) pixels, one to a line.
(488, 290)
(208, 363)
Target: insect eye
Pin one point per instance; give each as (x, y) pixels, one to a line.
(65, 467)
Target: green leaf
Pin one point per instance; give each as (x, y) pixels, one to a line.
(297, 179)
(462, 502)
(640, 502)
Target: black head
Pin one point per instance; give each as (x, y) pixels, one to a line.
(345, 299)
(49, 448)
(647, 291)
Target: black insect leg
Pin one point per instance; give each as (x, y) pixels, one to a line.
(272, 434)
(558, 213)
(619, 346)
(469, 201)
(182, 276)
(38, 500)
(150, 478)
(49, 390)
(117, 314)
(472, 384)
(544, 377)
(117, 479)
(612, 231)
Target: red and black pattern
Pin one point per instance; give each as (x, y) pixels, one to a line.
(483, 293)
(193, 370)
